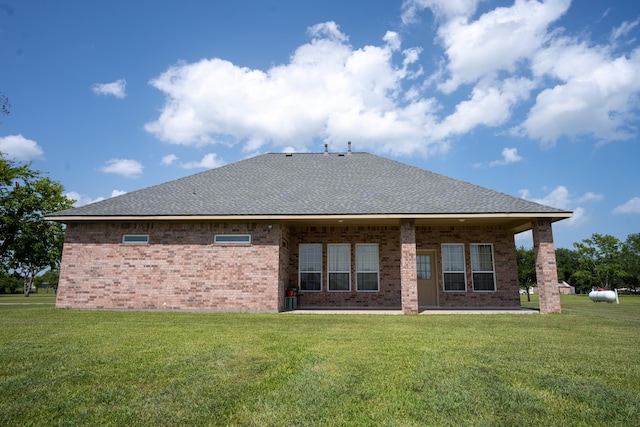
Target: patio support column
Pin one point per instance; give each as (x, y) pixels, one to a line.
(408, 274)
(546, 272)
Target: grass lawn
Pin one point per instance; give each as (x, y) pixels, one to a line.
(67, 367)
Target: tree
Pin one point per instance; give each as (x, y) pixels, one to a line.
(28, 243)
(567, 262)
(631, 259)
(526, 259)
(600, 262)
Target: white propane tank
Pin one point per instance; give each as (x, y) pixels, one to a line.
(602, 295)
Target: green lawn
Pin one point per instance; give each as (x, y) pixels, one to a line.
(67, 367)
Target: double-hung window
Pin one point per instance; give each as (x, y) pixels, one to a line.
(453, 267)
(367, 267)
(310, 270)
(482, 267)
(339, 267)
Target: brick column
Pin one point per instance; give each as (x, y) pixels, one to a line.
(546, 272)
(408, 274)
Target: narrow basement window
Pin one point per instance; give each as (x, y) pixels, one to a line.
(232, 239)
(135, 238)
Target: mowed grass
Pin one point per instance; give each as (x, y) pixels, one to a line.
(67, 367)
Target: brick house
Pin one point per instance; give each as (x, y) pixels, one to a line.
(349, 230)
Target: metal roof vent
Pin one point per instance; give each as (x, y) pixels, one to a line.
(349, 149)
(326, 149)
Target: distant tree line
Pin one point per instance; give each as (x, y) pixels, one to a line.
(601, 261)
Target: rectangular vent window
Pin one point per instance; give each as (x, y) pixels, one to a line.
(135, 238)
(232, 239)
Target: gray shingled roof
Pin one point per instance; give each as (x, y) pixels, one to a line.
(311, 184)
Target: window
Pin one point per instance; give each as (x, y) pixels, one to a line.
(453, 268)
(367, 274)
(310, 269)
(135, 238)
(424, 267)
(482, 268)
(339, 267)
(232, 239)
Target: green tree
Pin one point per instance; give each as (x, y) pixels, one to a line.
(567, 262)
(600, 262)
(28, 243)
(631, 259)
(526, 268)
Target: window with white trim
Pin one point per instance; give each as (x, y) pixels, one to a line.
(310, 267)
(140, 239)
(482, 267)
(339, 266)
(453, 267)
(367, 267)
(232, 239)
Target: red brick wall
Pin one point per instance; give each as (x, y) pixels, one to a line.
(506, 269)
(180, 268)
(388, 240)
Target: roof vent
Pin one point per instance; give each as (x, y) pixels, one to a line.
(349, 149)
(326, 149)
(289, 154)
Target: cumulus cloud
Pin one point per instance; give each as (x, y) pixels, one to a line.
(328, 90)
(561, 198)
(209, 161)
(509, 155)
(576, 87)
(116, 88)
(494, 63)
(125, 167)
(82, 199)
(632, 206)
(17, 147)
(169, 159)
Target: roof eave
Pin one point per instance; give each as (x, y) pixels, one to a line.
(459, 217)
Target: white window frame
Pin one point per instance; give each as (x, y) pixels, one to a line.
(232, 239)
(362, 266)
(445, 265)
(317, 262)
(135, 239)
(333, 269)
(475, 263)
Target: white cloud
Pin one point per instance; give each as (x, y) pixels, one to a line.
(561, 198)
(595, 95)
(441, 8)
(125, 167)
(509, 155)
(494, 64)
(623, 30)
(17, 147)
(168, 159)
(209, 161)
(116, 88)
(632, 206)
(328, 90)
(81, 199)
(497, 41)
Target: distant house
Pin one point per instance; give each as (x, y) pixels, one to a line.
(566, 289)
(349, 230)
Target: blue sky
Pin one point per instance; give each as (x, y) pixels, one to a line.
(537, 99)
